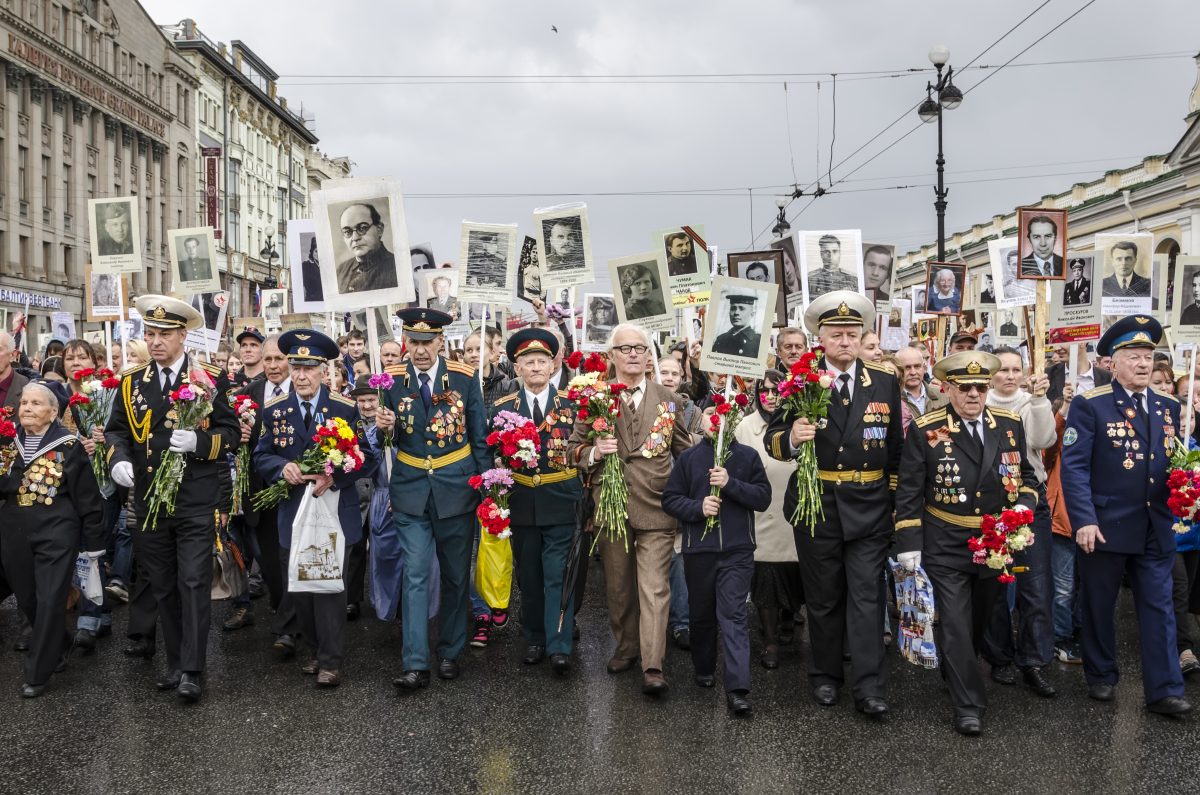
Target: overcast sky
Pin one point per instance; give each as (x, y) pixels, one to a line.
(1025, 132)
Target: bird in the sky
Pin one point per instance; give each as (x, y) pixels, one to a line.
(554, 28)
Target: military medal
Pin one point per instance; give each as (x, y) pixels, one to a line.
(1127, 463)
(1130, 413)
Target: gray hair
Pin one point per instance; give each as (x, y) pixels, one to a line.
(39, 386)
(7, 343)
(947, 271)
(612, 336)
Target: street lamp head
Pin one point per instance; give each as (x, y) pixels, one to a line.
(781, 202)
(929, 110)
(951, 97)
(939, 54)
(781, 228)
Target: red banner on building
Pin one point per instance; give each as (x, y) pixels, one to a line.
(212, 154)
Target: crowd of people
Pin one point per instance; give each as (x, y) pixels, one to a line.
(913, 455)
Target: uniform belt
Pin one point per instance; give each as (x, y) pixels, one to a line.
(853, 476)
(533, 481)
(973, 522)
(430, 463)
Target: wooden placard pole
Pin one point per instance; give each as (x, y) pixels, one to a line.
(939, 337)
(108, 343)
(123, 321)
(1041, 314)
(372, 343)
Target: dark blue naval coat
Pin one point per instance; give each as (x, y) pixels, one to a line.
(548, 503)
(283, 440)
(747, 491)
(1127, 501)
(455, 425)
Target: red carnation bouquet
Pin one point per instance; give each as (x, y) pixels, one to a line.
(1000, 536)
(724, 423)
(336, 450)
(599, 406)
(516, 440)
(8, 440)
(1183, 482)
(94, 400)
(806, 393)
(190, 405)
(246, 410)
(495, 485)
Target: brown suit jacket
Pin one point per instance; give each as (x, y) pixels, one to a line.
(646, 475)
(14, 393)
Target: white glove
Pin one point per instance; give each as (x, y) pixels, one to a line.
(183, 441)
(94, 555)
(909, 560)
(122, 474)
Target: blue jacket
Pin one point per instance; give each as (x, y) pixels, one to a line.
(437, 451)
(283, 440)
(747, 491)
(1114, 473)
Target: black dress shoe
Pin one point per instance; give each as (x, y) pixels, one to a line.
(560, 663)
(32, 691)
(1102, 691)
(190, 689)
(871, 705)
(285, 645)
(738, 705)
(787, 632)
(412, 680)
(139, 648)
(447, 669)
(1035, 679)
(575, 630)
(682, 638)
(1171, 705)
(769, 657)
(169, 680)
(352, 611)
(968, 725)
(85, 641)
(1004, 674)
(705, 680)
(534, 655)
(825, 695)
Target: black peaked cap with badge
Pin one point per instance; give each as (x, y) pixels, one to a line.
(531, 340)
(422, 324)
(307, 347)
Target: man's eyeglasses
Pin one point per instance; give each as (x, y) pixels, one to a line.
(628, 349)
(357, 229)
(966, 389)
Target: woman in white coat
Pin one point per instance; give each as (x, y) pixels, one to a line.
(775, 588)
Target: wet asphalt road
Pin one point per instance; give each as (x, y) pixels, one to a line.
(506, 727)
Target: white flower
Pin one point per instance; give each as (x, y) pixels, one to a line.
(826, 381)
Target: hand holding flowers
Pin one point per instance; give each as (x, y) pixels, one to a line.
(336, 450)
(1000, 536)
(247, 411)
(599, 406)
(723, 423)
(190, 404)
(806, 394)
(94, 401)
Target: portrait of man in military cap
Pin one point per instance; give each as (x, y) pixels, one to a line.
(115, 230)
(115, 235)
(737, 331)
(192, 267)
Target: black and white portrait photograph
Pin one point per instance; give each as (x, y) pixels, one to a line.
(1185, 311)
(737, 329)
(488, 262)
(762, 266)
(793, 289)
(308, 293)
(564, 245)
(62, 326)
(274, 306)
(599, 319)
(213, 307)
(362, 237)
(1074, 304)
(422, 259)
(878, 272)
(102, 300)
(895, 324)
(442, 288)
(987, 286)
(831, 261)
(689, 266)
(193, 263)
(640, 287)
(530, 284)
(1127, 283)
(1077, 287)
(917, 294)
(944, 288)
(116, 235)
(1010, 290)
(1010, 329)
(1042, 245)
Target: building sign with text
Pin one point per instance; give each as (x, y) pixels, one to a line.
(211, 155)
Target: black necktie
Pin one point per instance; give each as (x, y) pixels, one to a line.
(844, 389)
(278, 391)
(538, 416)
(166, 382)
(426, 395)
(973, 429)
(306, 408)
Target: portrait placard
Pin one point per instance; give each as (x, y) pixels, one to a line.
(737, 329)
(689, 266)
(944, 284)
(1011, 327)
(62, 326)
(1074, 303)
(830, 261)
(441, 287)
(640, 286)
(564, 245)
(422, 259)
(131, 329)
(116, 235)
(362, 234)
(983, 287)
(879, 274)
(793, 290)
(530, 284)
(897, 321)
(274, 306)
(308, 293)
(599, 319)
(101, 298)
(1005, 261)
(1185, 310)
(193, 264)
(762, 266)
(488, 262)
(212, 307)
(1042, 244)
(1128, 274)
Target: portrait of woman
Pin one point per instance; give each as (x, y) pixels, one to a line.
(642, 292)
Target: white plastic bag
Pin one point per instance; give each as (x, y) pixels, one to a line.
(87, 579)
(318, 547)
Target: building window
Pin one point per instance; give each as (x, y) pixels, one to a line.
(69, 264)
(23, 254)
(181, 172)
(68, 197)
(47, 199)
(91, 189)
(47, 258)
(23, 173)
